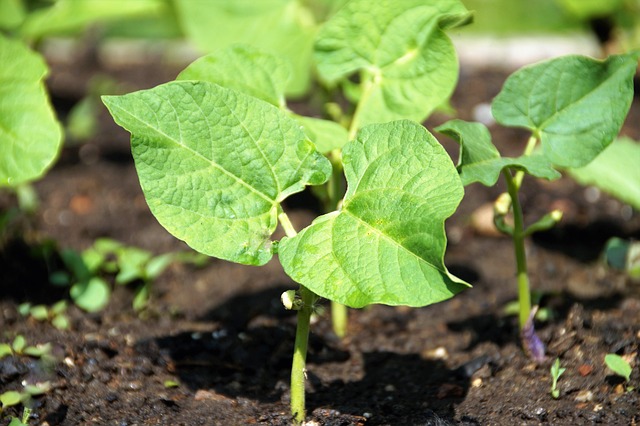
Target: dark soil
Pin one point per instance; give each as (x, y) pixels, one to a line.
(222, 334)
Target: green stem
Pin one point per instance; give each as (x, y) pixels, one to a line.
(298, 366)
(367, 85)
(336, 189)
(299, 362)
(531, 144)
(524, 293)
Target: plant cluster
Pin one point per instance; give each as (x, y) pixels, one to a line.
(87, 273)
(19, 347)
(217, 152)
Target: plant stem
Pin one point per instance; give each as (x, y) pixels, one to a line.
(524, 293)
(336, 189)
(298, 366)
(531, 144)
(299, 362)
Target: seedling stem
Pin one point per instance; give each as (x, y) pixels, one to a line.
(524, 294)
(299, 363)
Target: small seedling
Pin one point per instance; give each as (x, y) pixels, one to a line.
(569, 127)
(88, 271)
(556, 371)
(620, 367)
(217, 153)
(19, 347)
(55, 314)
(24, 421)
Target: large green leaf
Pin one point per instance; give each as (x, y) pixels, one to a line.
(407, 63)
(244, 68)
(574, 104)
(71, 16)
(386, 244)
(30, 135)
(215, 164)
(480, 160)
(285, 27)
(326, 135)
(616, 171)
(12, 13)
(264, 76)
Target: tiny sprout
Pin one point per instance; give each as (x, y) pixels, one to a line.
(556, 371)
(619, 366)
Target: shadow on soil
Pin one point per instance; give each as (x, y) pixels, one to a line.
(583, 243)
(248, 354)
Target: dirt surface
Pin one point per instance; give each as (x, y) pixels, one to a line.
(220, 332)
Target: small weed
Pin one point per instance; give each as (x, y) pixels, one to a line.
(556, 371)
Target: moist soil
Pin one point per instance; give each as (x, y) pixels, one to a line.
(221, 334)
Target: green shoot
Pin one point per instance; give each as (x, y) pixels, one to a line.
(556, 371)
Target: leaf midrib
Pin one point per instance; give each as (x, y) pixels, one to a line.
(197, 154)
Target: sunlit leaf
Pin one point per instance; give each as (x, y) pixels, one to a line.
(71, 16)
(92, 295)
(615, 171)
(215, 164)
(574, 104)
(406, 62)
(480, 160)
(30, 135)
(284, 27)
(243, 68)
(386, 244)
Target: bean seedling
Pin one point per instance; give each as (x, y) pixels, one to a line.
(574, 107)
(217, 155)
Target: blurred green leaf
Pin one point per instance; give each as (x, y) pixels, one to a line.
(614, 171)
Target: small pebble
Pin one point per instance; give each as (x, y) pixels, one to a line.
(584, 396)
(438, 353)
(585, 370)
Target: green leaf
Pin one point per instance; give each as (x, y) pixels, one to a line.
(10, 398)
(386, 244)
(284, 27)
(5, 350)
(157, 265)
(132, 262)
(214, 164)
(30, 135)
(614, 171)
(480, 160)
(71, 16)
(16, 422)
(12, 13)
(38, 351)
(618, 365)
(326, 135)
(243, 68)
(39, 312)
(408, 65)
(574, 104)
(141, 298)
(92, 295)
(19, 343)
(264, 76)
